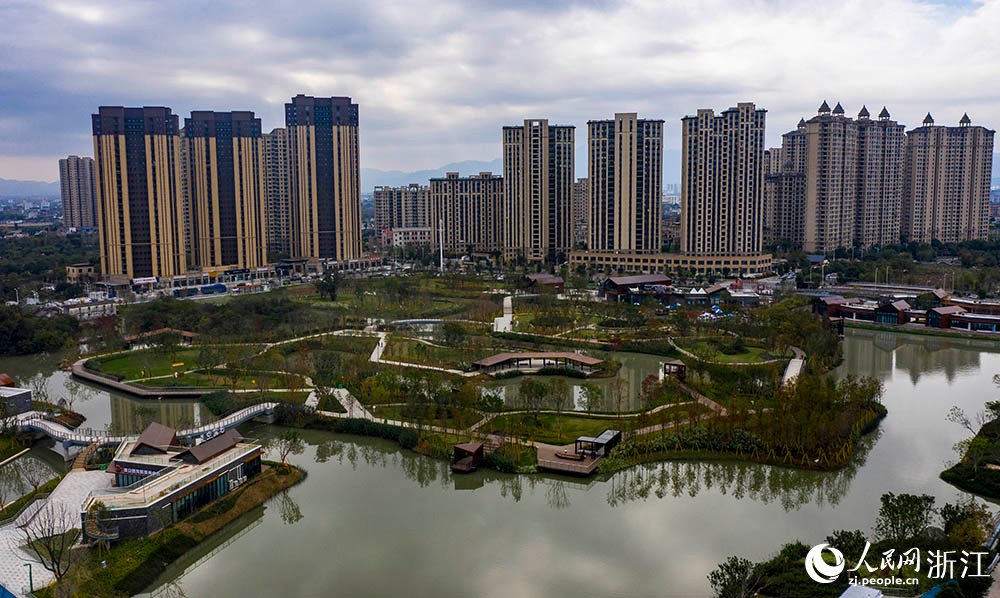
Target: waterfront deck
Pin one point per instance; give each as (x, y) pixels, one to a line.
(548, 459)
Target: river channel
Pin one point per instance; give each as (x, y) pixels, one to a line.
(371, 519)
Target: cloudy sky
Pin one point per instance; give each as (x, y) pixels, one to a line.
(435, 81)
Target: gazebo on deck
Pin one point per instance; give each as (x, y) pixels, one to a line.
(675, 367)
(601, 445)
(467, 457)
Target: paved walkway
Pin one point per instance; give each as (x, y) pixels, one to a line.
(505, 323)
(71, 492)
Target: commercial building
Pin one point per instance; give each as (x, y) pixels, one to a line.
(324, 177)
(158, 483)
(276, 192)
(137, 156)
(745, 266)
(79, 199)
(225, 180)
(947, 182)
(581, 210)
(468, 213)
(538, 169)
(625, 157)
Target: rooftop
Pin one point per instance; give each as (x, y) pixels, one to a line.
(502, 357)
(639, 279)
(177, 476)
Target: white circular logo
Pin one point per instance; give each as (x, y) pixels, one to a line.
(818, 569)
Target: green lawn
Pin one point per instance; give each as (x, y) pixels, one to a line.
(412, 351)
(145, 363)
(218, 379)
(454, 417)
(751, 353)
(547, 428)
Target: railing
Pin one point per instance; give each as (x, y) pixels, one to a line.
(12, 518)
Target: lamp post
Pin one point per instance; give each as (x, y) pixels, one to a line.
(31, 580)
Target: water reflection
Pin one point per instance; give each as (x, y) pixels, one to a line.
(290, 511)
(791, 488)
(879, 353)
(766, 484)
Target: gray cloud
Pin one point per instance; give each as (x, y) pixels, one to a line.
(436, 80)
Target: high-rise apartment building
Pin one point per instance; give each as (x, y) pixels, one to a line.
(225, 180)
(276, 192)
(853, 180)
(581, 210)
(538, 190)
(785, 190)
(76, 182)
(402, 207)
(324, 177)
(137, 155)
(625, 157)
(947, 182)
(467, 212)
(879, 192)
(722, 182)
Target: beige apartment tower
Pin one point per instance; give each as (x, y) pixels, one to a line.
(402, 207)
(625, 157)
(137, 154)
(467, 213)
(853, 180)
(76, 183)
(324, 177)
(276, 192)
(538, 190)
(581, 210)
(722, 182)
(947, 182)
(225, 180)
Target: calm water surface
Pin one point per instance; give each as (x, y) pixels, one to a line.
(373, 520)
(379, 521)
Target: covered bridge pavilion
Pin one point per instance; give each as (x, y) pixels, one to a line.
(528, 362)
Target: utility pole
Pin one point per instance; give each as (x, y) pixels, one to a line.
(441, 242)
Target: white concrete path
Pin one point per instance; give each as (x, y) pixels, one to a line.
(71, 492)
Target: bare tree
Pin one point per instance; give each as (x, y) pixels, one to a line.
(37, 384)
(74, 392)
(559, 390)
(49, 538)
(34, 472)
(289, 442)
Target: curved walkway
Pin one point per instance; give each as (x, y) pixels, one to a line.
(34, 421)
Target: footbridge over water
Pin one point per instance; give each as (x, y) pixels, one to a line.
(66, 438)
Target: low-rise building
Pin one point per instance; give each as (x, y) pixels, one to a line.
(545, 282)
(14, 401)
(747, 266)
(85, 309)
(77, 273)
(158, 483)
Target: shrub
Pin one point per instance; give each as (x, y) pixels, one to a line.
(408, 438)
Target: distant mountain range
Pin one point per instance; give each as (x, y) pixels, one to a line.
(12, 188)
(370, 177)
